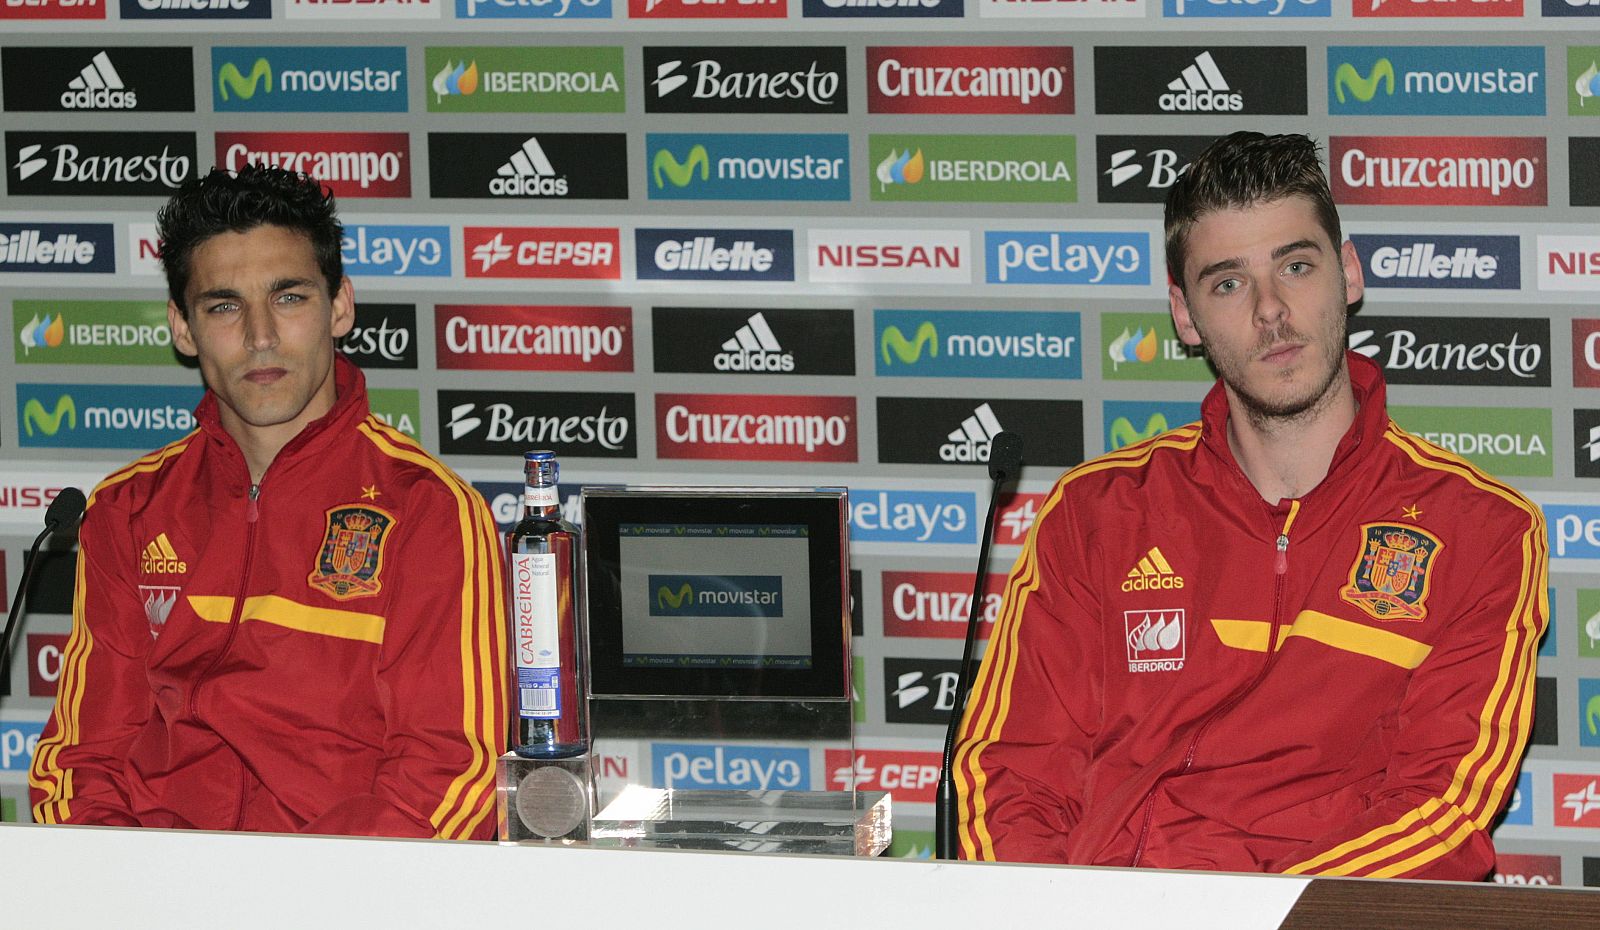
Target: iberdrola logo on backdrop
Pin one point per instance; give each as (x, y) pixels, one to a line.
(42, 333)
(456, 79)
(900, 168)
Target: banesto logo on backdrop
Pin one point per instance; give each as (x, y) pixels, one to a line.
(775, 79)
(99, 163)
(1473, 351)
(586, 425)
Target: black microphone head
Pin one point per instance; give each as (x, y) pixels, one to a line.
(1005, 456)
(64, 511)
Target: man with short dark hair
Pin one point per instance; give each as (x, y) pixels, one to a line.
(1289, 637)
(291, 619)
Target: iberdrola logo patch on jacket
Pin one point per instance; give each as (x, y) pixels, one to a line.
(1389, 580)
(352, 552)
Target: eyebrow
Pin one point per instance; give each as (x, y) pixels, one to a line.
(1232, 264)
(229, 293)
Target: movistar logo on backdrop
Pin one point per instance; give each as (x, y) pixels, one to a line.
(1131, 421)
(103, 416)
(748, 166)
(48, 423)
(1436, 80)
(231, 80)
(908, 351)
(977, 344)
(1364, 87)
(311, 79)
(679, 174)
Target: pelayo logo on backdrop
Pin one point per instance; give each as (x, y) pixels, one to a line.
(730, 768)
(714, 254)
(1441, 261)
(351, 164)
(1436, 80)
(316, 79)
(514, 338)
(976, 344)
(1241, 9)
(1502, 171)
(735, 79)
(1030, 257)
(92, 332)
(101, 79)
(815, 9)
(500, 79)
(970, 79)
(738, 340)
(396, 251)
(546, 165)
(985, 169)
(196, 9)
(747, 166)
(103, 416)
(533, 9)
(98, 164)
(756, 427)
(1471, 351)
(902, 516)
(58, 247)
(1503, 441)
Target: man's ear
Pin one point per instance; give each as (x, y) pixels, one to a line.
(1181, 320)
(1354, 283)
(344, 308)
(182, 338)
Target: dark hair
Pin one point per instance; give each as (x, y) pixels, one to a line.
(239, 201)
(1240, 170)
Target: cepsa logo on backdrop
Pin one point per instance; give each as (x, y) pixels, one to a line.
(58, 247)
(542, 252)
(1469, 351)
(708, 9)
(756, 427)
(1481, 171)
(394, 251)
(533, 9)
(778, 79)
(1569, 263)
(323, 79)
(1034, 80)
(98, 79)
(587, 425)
(747, 166)
(98, 164)
(546, 166)
(515, 338)
(1445, 80)
(196, 9)
(909, 775)
(936, 604)
(733, 340)
(1014, 517)
(977, 344)
(814, 9)
(714, 254)
(52, 9)
(868, 256)
(1426, 260)
(351, 164)
(1442, 8)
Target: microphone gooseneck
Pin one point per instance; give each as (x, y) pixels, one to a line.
(61, 516)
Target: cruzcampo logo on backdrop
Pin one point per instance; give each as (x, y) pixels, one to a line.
(975, 169)
(401, 408)
(1503, 441)
(497, 79)
(91, 332)
(1589, 623)
(1145, 347)
(1583, 80)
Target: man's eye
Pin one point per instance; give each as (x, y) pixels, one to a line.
(1299, 267)
(1227, 286)
(290, 298)
(222, 308)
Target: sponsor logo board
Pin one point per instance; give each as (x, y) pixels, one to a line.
(24, 496)
(1001, 80)
(1141, 169)
(326, 79)
(733, 340)
(977, 344)
(1131, 421)
(815, 9)
(979, 169)
(936, 604)
(1546, 716)
(517, 338)
(708, 9)
(1575, 799)
(1583, 167)
(97, 164)
(17, 741)
(1519, 869)
(144, 251)
(756, 427)
(958, 431)
(1146, 347)
(1574, 530)
(533, 9)
(730, 767)
(1503, 441)
(1585, 353)
(1200, 80)
(1243, 9)
(734, 79)
(747, 166)
(376, 250)
(541, 166)
(196, 9)
(1471, 351)
(714, 254)
(504, 79)
(1057, 9)
(1583, 80)
(1586, 443)
(400, 408)
(1428, 260)
(103, 416)
(1436, 80)
(1571, 8)
(858, 687)
(362, 9)
(1589, 711)
(1588, 623)
(52, 9)
(1519, 810)
(901, 516)
(911, 844)
(1569, 263)
(889, 256)
(856, 623)
(384, 336)
(91, 332)
(1084, 258)
(98, 79)
(1431, 8)
(44, 662)
(57, 247)
(351, 164)
(1014, 516)
(1438, 170)
(541, 252)
(505, 502)
(908, 775)
(573, 425)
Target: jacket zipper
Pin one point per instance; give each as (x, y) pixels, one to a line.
(1280, 569)
(252, 514)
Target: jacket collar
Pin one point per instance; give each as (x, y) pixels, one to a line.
(350, 406)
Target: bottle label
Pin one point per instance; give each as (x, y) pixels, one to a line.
(541, 497)
(538, 635)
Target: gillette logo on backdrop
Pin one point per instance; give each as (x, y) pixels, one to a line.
(714, 254)
(1441, 261)
(196, 9)
(814, 9)
(57, 247)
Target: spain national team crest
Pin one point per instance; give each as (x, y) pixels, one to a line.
(1389, 579)
(352, 552)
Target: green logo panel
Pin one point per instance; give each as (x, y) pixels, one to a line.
(1504, 441)
(911, 844)
(1589, 623)
(498, 79)
(91, 332)
(401, 408)
(8, 810)
(1145, 347)
(858, 690)
(974, 169)
(1583, 80)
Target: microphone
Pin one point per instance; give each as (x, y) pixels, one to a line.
(60, 517)
(1005, 464)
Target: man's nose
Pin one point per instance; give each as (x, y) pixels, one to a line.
(260, 329)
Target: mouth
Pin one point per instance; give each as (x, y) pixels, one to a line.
(1282, 354)
(265, 375)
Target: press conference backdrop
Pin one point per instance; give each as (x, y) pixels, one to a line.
(820, 241)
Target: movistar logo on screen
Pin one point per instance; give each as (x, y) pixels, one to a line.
(716, 595)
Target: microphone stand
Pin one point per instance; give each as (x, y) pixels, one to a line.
(62, 513)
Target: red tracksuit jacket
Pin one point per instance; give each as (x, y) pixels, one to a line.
(325, 658)
(1130, 711)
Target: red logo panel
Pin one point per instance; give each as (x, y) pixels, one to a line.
(1392, 9)
(52, 9)
(910, 776)
(708, 9)
(970, 79)
(1577, 800)
(1586, 353)
(351, 164)
(1517, 869)
(936, 604)
(1480, 171)
(1014, 518)
(756, 427)
(44, 662)
(541, 252)
(503, 338)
